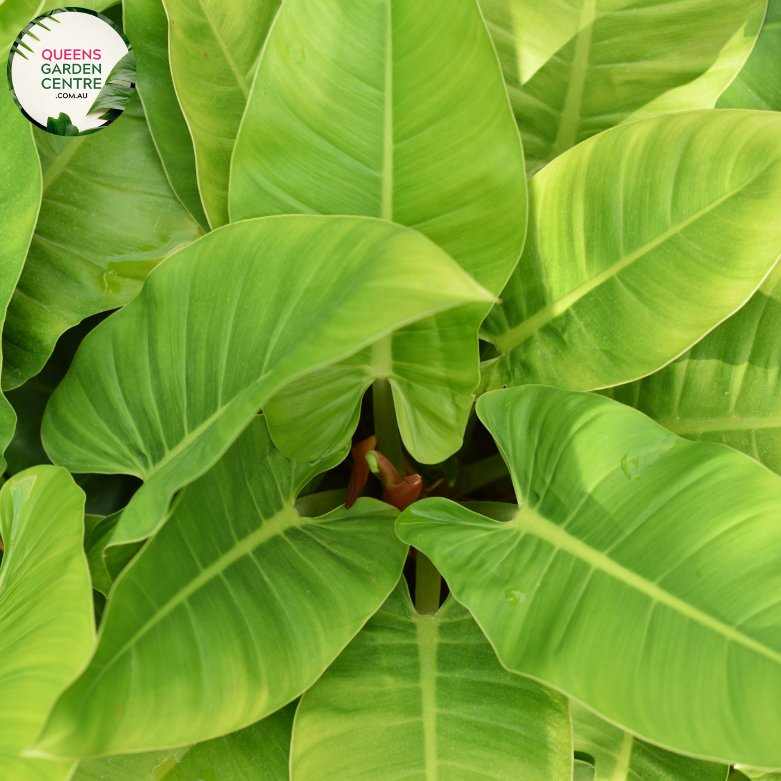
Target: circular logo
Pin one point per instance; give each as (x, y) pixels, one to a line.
(71, 71)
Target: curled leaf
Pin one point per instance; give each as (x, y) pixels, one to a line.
(398, 492)
(360, 472)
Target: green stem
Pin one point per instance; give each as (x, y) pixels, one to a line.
(428, 583)
(482, 473)
(385, 426)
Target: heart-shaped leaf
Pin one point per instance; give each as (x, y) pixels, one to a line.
(257, 753)
(626, 536)
(46, 622)
(393, 109)
(250, 601)
(20, 198)
(108, 216)
(641, 240)
(161, 388)
(429, 692)
(105, 493)
(758, 85)
(619, 756)
(575, 69)
(147, 26)
(725, 389)
(214, 48)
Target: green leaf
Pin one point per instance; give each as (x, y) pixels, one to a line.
(626, 537)
(112, 97)
(219, 328)
(256, 753)
(147, 25)
(105, 493)
(250, 601)
(583, 771)
(15, 14)
(214, 49)
(62, 126)
(393, 109)
(46, 621)
(725, 389)
(96, 538)
(641, 240)
(118, 88)
(108, 217)
(758, 85)
(424, 697)
(621, 757)
(20, 198)
(577, 68)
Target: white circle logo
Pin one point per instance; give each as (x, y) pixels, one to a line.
(71, 71)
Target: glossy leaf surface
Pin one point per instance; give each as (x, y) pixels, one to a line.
(578, 67)
(108, 216)
(96, 538)
(219, 328)
(20, 198)
(641, 240)
(231, 611)
(214, 48)
(105, 493)
(46, 625)
(395, 110)
(758, 85)
(619, 756)
(727, 388)
(626, 536)
(257, 753)
(424, 697)
(147, 26)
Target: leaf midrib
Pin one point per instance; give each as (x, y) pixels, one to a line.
(428, 636)
(240, 81)
(685, 425)
(509, 340)
(387, 140)
(570, 115)
(274, 526)
(531, 522)
(60, 163)
(621, 771)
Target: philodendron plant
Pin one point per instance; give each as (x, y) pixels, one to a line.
(435, 429)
